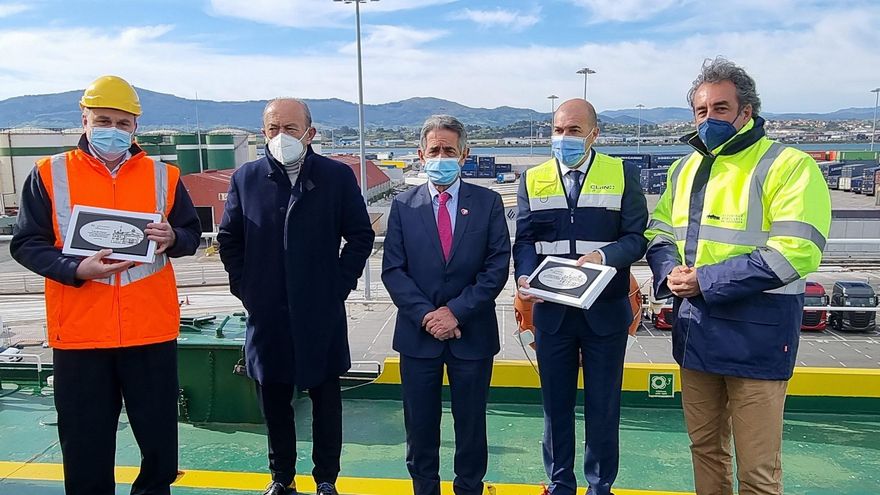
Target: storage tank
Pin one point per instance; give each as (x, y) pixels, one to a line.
(19, 151)
(168, 153)
(221, 151)
(149, 139)
(188, 153)
(152, 150)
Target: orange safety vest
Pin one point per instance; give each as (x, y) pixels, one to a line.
(136, 307)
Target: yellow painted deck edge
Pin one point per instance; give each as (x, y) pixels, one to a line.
(225, 480)
(807, 381)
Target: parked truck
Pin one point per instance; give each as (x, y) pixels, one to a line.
(815, 296)
(853, 295)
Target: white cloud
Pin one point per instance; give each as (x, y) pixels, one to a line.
(796, 70)
(11, 9)
(510, 19)
(393, 39)
(308, 13)
(626, 10)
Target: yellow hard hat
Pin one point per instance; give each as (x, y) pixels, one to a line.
(111, 92)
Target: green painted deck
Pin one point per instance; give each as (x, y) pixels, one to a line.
(823, 453)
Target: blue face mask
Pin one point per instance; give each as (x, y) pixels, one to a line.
(714, 132)
(569, 150)
(109, 142)
(442, 171)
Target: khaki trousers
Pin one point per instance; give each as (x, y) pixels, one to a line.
(716, 405)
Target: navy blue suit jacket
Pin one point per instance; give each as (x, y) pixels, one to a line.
(420, 281)
(624, 229)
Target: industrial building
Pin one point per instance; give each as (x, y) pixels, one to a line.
(219, 150)
(208, 189)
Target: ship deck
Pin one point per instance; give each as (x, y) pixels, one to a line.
(830, 444)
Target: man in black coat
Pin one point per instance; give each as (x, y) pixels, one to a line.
(286, 216)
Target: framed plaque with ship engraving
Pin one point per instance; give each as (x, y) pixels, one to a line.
(561, 281)
(92, 229)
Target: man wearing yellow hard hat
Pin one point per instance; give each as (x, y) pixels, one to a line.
(112, 325)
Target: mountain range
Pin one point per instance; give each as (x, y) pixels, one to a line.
(60, 110)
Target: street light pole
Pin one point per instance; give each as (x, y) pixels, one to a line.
(199, 135)
(361, 127)
(586, 71)
(639, 128)
(876, 92)
(552, 99)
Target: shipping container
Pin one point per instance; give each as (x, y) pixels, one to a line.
(486, 160)
(831, 155)
(845, 183)
(468, 173)
(848, 156)
(868, 182)
(830, 168)
(652, 178)
(658, 188)
(503, 168)
(664, 161)
(817, 155)
(486, 174)
(640, 160)
(853, 170)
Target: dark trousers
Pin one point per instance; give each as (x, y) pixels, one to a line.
(422, 381)
(276, 403)
(90, 387)
(603, 377)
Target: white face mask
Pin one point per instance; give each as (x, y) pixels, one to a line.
(286, 148)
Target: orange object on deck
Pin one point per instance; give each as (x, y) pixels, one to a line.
(635, 301)
(523, 310)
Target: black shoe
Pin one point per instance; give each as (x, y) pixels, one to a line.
(327, 489)
(276, 488)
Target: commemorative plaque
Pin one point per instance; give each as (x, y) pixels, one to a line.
(92, 229)
(561, 281)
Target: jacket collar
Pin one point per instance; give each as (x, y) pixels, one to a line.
(83, 146)
(750, 134)
(276, 168)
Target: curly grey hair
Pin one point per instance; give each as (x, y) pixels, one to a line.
(443, 122)
(721, 69)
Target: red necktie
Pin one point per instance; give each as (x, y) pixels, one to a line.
(444, 226)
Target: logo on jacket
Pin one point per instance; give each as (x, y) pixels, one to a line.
(601, 187)
(727, 218)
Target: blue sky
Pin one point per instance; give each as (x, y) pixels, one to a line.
(806, 55)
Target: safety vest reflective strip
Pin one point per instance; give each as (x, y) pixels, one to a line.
(585, 200)
(61, 200)
(754, 235)
(564, 247)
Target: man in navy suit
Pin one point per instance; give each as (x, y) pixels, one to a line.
(586, 206)
(447, 256)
